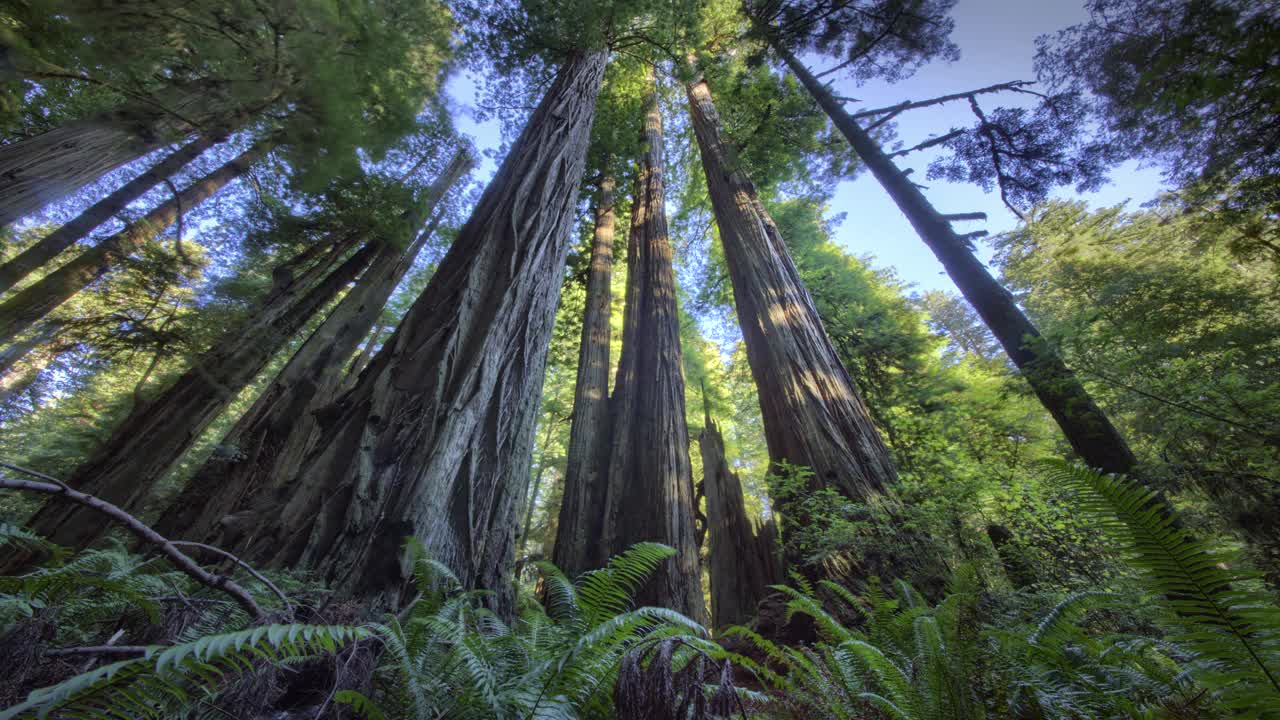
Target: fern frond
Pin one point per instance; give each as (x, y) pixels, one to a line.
(360, 704)
(166, 678)
(1238, 629)
(1057, 624)
(561, 596)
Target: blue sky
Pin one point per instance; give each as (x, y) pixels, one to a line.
(997, 44)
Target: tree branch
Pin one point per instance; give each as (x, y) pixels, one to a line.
(143, 532)
(928, 143)
(1011, 86)
(257, 575)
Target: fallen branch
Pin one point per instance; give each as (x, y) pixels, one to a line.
(257, 575)
(117, 650)
(143, 532)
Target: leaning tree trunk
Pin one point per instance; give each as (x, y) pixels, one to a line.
(154, 437)
(578, 528)
(45, 295)
(649, 494)
(435, 438)
(230, 498)
(47, 167)
(813, 415)
(1086, 427)
(18, 379)
(18, 349)
(35, 257)
(743, 560)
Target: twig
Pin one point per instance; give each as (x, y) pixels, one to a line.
(119, 650)
(257, 575)
(143, 532)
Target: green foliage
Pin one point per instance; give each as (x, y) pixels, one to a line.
(1216, 617)
(907, 660)
(166, 681)
(1177, 338)
(448, 656)
(346, 75)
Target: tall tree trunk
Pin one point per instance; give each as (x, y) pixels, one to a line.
(649, 495)
(45, 295)
(435, 438)
(34, 257)
(743, 560)
(18, 379)
(47, 167)
(17, 350)
(578, 529)
(361, 361)
(1086, 427)
(535, 486)
(231, 498)
(813, 415)
(154, 437)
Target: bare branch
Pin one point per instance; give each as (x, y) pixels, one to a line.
(257, 575)
(928, 143)
(143, 532)
(956, 217)
(1011, 86)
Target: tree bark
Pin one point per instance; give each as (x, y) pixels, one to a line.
(36, 256)
(44, 296)
(154, 437)
(47, 167)
(649, 495)
(743, 560)
(434, 440)
(813, 414)
(237, 494)
(1084, 424)
(578, 529)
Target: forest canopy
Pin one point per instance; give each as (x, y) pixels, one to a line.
(539, 359)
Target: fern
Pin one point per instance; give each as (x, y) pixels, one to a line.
(359, 704)
(21, 541)
(447, 656)
(166, 680)
(1236, 630)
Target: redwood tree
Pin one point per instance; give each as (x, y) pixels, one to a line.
(45, 295)
(649, 494)
(156, 434)
(1084, 424)
(49, 247)
(588, 456)
(275, 435)
(434, 439)
(813, 414)
(742, 558)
